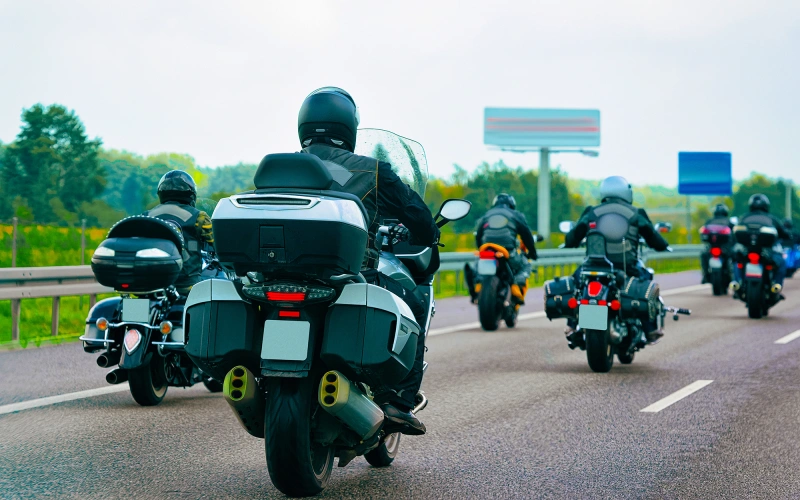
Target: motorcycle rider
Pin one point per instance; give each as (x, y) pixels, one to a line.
(327, 126)
(788, 224)
(759, 215)
(720, 219)
(616, 196)
(501, 225)
(177, 193)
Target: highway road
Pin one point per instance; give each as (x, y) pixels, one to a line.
(512, 414)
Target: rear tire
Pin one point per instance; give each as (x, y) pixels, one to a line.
(148, 383)
(599, 351)
(716, 283)
(384, 454)
(488, 310)
(297, 467)
(755, 302)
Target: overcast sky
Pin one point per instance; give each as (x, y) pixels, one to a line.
(222, 81)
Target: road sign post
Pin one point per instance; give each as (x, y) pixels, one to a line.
(543, 213)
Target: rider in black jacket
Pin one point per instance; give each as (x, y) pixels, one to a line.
(616, 197)
(720, 219)
(327, 125)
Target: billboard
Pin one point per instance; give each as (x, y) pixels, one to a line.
(705, 173)
(533, 128)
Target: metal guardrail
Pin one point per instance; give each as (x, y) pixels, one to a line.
(17, 283)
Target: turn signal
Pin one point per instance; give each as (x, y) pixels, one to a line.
(572, 303)
(615, 305)
(102, 324)
(166, 327)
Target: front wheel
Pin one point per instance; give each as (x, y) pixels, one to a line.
(755, 301)
(384, 454)
(297, 466)
(148, 382)
(599, 351)
(489, 309)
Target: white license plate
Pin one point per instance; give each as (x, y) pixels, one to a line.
(592, 317)
(715, 263)
(285, 340)
(487, 267)
(136, 310)
(753, 271)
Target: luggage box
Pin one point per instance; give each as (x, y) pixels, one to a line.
(557, 293)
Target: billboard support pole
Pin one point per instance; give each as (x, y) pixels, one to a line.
(788, 199)
(688, 220)
(543, 214)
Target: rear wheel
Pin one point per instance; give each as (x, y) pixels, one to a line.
(599, 351)
(489, 308)
(716, 283)
(755, 301)
(297, 466)
(148, 383)
(384, 454)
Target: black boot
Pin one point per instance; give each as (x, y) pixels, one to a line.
(401, 420)
(574, 338)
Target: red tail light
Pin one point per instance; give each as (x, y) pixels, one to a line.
(740, 265)
(725, 230)
(716, 251)
(595, 287)
(753, 257)
(769, 268)
(286, 296)
(289, 314)
(704, 230)
(592, 225)
(615, 305)
(488, 254)
(572, 303)
(125, 285)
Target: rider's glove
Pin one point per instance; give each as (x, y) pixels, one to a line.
(203, 226)
(399, 232)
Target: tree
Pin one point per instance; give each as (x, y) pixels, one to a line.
(52, 164)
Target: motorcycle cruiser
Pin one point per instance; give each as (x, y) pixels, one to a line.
(302, 341)
(718, 238)
(611, 308)
(141, 331)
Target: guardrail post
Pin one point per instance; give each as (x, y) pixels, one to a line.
(14, 241)
(458, 281)
(92, 300)
(15, 311)
(56, 307)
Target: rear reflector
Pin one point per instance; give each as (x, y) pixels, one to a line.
(289, 314)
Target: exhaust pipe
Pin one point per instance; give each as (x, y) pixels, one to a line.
(240, 390)
(342, 399)
(117, 376)
(108, 359)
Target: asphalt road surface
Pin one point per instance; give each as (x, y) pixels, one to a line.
(512, 414)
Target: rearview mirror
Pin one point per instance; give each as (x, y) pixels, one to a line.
(663, 227)
(734, 220)
(454, 209)
(566, 226)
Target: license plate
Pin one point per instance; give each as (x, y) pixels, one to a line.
(753, 271)
(593, 317)
(285, 340)
(136, 310)
(715, 263)
(487, 267)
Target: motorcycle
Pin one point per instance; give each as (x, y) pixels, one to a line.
(791, 255)
(717, 237)
(611, 308)
(492, 281)
(141, 331)
(303, 342)
(757, 267)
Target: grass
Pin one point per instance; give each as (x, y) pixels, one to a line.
(39, 245)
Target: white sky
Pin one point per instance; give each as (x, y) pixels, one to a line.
(223, 81)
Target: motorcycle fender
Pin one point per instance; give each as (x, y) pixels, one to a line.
(136, 358)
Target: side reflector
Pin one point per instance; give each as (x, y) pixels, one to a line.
(289, 314)
(595, 287)
(286, 296)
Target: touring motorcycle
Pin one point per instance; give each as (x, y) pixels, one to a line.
(302, 341)
(754, 259)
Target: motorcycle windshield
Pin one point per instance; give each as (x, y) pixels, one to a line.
(406, 156)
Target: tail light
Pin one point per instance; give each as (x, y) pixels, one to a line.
(488, 254)
(595, 287)
(615, 305)
(716, 251)
(286, 296)
(753, 257)
(289, 314)
(704, 230)
(288, 293)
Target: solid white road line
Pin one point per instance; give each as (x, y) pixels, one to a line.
(676, 396)
(72, 396)
(788, 338)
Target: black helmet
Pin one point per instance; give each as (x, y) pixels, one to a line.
(788, 224)
(759, 203)
(505, 199)
(328, 113)
(721, 210)
(177, 185)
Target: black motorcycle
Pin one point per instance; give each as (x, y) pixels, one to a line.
(757, 267)
(717, 238)
(141, 331)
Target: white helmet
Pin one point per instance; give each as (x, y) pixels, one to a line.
(616, 187)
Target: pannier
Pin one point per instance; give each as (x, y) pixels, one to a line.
(141, 254)
(557, 293)
(640, 298)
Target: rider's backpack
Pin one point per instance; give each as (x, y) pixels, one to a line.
(557, 293)
(639, 298)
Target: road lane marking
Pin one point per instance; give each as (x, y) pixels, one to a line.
(788, 338)
(72, 396)
(676, 396)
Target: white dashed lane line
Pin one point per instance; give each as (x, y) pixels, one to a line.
(676, 396)
(788, 338)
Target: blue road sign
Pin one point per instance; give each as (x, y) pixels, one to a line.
(705, 173)
(541, 128)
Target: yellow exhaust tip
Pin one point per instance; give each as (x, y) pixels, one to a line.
(236, 382)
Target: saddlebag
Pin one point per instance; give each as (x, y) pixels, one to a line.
(221, 330)
(640, 298)
(557, 293)
(370, 336)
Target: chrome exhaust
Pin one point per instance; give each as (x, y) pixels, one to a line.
(422, 402)
(117, 376)
(241, 391)
(108, 359)
(345, 401)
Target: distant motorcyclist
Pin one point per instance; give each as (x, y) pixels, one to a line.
(720, 218)
(616, 196)
(501, 225)
(788, 224)
(177, 193)
(327, 125)
(759, 215)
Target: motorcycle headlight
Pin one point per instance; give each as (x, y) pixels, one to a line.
(153, 253)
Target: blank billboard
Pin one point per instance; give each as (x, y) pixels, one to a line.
(541, 128)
